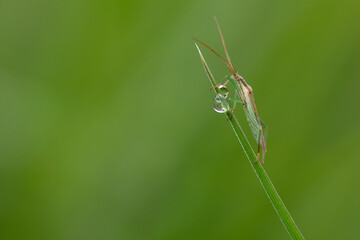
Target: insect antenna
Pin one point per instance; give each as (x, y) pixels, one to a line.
(211, 50)
(230, 65)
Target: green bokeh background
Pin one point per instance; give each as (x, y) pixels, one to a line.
(107, 130)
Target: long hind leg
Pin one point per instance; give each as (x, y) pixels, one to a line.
(259, 146)
(263, 142)
(232, 111)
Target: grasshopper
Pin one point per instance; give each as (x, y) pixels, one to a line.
(243, 94)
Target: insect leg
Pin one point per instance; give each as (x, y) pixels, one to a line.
(264, 136)
(227, 81)
(235, 100)
(265, 129)
(259, 146)
(232, 112)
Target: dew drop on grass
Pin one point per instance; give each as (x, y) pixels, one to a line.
(220, 104)
(223, 91)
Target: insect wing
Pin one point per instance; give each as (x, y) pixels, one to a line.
(254, 125)
(251, 117)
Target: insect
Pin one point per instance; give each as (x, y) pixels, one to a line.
(243, 94)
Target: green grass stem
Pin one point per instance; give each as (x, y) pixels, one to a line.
(265, 181)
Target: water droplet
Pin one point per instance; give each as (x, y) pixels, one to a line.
(223, 91)
(220, 104)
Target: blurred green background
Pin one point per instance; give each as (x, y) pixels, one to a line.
(107, 129)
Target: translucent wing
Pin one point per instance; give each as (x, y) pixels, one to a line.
(255, 123)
